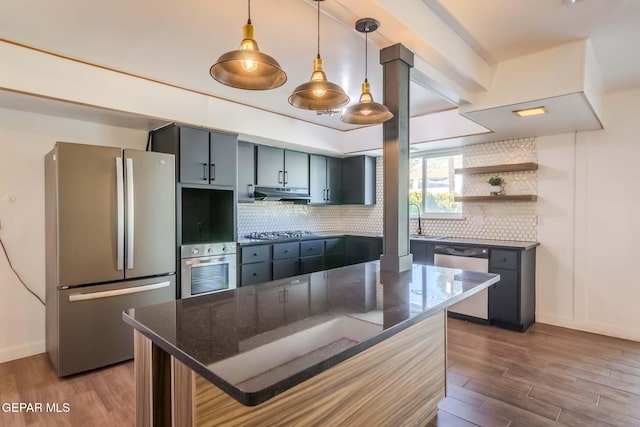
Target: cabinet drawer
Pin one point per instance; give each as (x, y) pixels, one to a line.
(285, 268)
(258, 253)
(503, 259)
(334, 246)
(255, 273)
(310, 264)
(286, 250)
(311, 248)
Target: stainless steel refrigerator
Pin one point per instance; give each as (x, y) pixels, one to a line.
(110, 245)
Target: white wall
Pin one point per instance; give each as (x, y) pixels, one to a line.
(589, 206)
(86, 84)
(24, 140)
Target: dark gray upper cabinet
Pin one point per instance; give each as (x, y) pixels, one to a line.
(277, 167)
(296, 169)
(334, 180)
(203, 157)
(223, 158)
(318, 179)
(246, 171)
(194, 156)
(270, 164)
(359, 180)
(325, 179)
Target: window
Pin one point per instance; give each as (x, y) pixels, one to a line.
(433, 184)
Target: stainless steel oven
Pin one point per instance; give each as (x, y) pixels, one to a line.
(207, 268)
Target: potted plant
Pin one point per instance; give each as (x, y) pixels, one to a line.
(496, 184)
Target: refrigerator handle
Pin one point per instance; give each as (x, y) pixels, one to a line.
(130, 214)
(120, 213)
(118, 292)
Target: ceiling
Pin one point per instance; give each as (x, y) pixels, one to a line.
(177, 42)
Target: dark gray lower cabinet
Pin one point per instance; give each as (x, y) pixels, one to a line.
(362, 249)
(422, 252)
(255, 273)
(261, 263)
(311, 264)
(512, 300)
(285, 268)
(255, 264)
(334, 253)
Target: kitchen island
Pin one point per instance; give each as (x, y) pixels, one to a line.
(352, 345)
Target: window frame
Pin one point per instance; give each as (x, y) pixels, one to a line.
(424, 156)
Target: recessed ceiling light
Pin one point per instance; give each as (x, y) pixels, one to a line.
(531, 111)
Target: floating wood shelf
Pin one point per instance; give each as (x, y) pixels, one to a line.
(514, 167)
(507, 198)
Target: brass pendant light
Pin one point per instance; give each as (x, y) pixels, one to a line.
(318, 93)
(247, 67)
(366, 111)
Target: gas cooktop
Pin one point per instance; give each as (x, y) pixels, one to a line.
(279, 235)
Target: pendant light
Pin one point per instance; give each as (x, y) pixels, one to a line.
(318, 93)
(366, 111)
(247, 67)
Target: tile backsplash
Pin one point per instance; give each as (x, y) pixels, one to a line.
(277, 216)
(492, 220)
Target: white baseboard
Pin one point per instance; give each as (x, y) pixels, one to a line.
(19, 352)
(596, 328)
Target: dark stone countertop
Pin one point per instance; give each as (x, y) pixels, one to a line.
(257, 341)
(506, 244)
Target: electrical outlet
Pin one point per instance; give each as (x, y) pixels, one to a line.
(540, 220)
(10, 198)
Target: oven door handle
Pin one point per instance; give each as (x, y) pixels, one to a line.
(208, 261)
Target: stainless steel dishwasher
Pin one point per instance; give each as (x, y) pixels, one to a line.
(468, 258)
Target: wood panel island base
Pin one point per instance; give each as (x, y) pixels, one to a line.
(369, 350)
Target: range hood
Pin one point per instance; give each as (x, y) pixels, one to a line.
(299, 195)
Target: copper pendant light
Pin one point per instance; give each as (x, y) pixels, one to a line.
(318, 93)
(366, 111)
(247, 67)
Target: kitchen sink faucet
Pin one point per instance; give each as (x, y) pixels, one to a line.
(419, 223)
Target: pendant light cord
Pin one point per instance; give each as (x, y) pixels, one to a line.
(318, 28)
(366, 55)
(249, 11)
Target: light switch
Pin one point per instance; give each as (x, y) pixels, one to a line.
(478, 220)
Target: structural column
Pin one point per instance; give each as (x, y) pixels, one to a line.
(396, 62)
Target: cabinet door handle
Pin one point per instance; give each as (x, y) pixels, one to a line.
(250, 190)
(324, 194)
(255, 254)
(255, 274)
(280, 175)
(204, 171)
(328, 194)
(286, 177)
(213, 171)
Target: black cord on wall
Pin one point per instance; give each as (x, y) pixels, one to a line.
(6, 255)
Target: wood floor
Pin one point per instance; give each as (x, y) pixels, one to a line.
(547, 376)
(104, 397)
